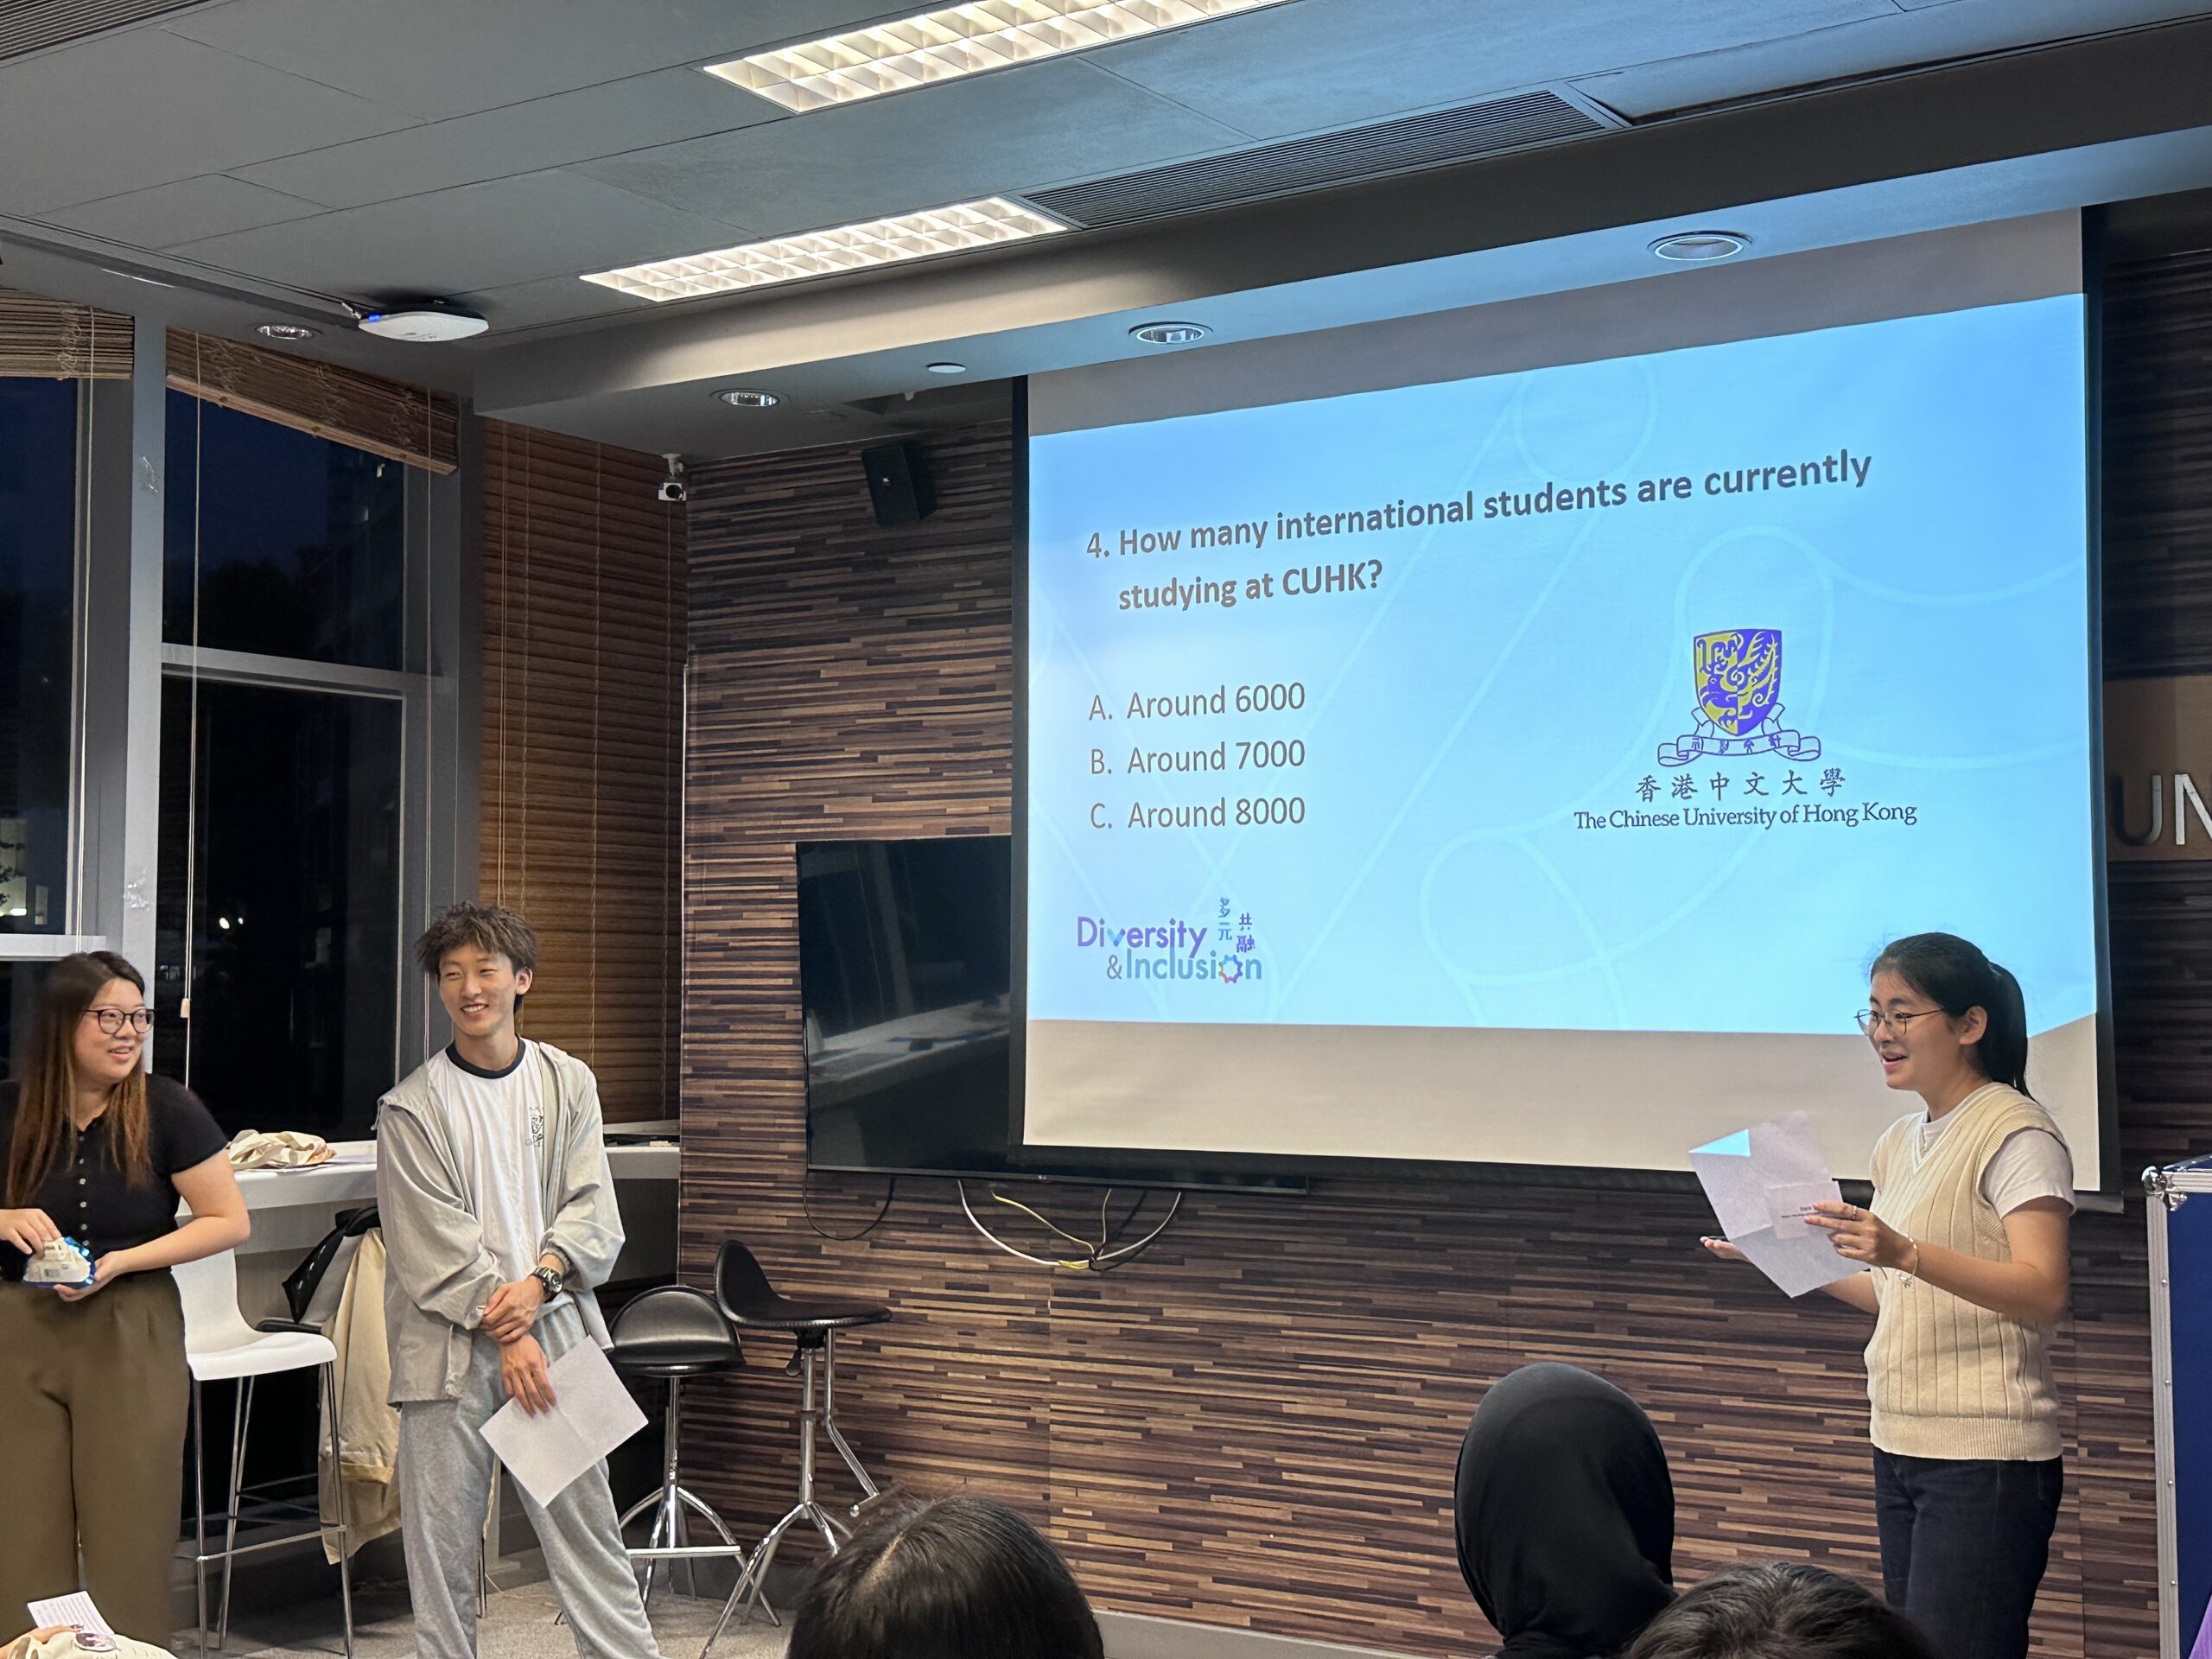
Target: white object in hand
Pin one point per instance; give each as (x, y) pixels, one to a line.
(63, 1261)
(1762, 1182)
(591, 1414)
(1789, 1202)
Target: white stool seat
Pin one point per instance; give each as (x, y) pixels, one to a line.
(219, 1346)
(266, 1351)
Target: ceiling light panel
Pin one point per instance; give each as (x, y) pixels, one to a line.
(959, 41)
(821, 253)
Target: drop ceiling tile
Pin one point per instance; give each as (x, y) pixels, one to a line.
(642, 110)
(190, 209)
(944, 143)
(442, 58)
(550, 300)
(549, 224)
(144, 107)
(1325, 63)
(1937, 30)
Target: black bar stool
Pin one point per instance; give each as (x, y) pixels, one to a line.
(750, 1303)
(672, 1332)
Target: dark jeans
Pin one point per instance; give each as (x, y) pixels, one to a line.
(1963, 1546)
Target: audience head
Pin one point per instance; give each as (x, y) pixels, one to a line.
(959, 1578)
(1565, 1514)
(1781, 1611)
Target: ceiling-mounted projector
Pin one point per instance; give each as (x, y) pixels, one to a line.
(428, 322)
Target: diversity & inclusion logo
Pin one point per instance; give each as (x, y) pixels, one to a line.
(1224, 952)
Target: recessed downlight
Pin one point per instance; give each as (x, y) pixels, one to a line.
(1170, 333)
(948, 368)
(284, 331)
(1698, 247)
(748, 398)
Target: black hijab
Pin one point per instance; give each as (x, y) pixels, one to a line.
(1566, 1515)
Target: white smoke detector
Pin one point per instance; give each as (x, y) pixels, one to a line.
(430, 323)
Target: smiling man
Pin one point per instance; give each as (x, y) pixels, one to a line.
(499, 1217)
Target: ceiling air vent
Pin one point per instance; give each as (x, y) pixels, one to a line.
(28, 25)
(1436, 139)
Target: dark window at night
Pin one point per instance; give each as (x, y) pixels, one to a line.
(298, 542)
(19, 983)
(292, 800)
(38, 490)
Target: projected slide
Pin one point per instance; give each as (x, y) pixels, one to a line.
(1572, 738)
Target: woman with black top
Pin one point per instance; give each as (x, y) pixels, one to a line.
(93, 1391)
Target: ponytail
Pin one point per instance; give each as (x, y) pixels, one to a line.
(2003, 1050)
(1958, 978)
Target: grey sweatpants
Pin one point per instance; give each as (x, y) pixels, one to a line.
(445, 1486)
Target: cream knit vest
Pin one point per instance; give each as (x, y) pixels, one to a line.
(1948, 1379)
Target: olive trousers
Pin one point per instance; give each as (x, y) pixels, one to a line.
(94, 1399)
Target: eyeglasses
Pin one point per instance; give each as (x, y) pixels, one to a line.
(1871, 1020)
(112, 1021)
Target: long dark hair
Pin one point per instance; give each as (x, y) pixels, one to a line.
(43, 1129)
(1954, 976)
(957, 1578)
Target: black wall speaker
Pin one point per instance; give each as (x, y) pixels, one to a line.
(899, 479)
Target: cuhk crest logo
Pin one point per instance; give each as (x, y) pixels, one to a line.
(1737, 674)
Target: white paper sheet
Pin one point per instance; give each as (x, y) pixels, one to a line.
(1761, 1182)
(1791, 1203)
(76, 1610)
(591, 1414)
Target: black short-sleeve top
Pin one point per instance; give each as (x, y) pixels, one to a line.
(86, 1193)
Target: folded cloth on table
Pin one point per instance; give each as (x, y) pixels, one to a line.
(274, 1148)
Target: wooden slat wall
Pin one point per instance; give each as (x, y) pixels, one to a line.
(2158, 454)
(57, 339)
(583, 670)
(2158, 620)
(400, 422)
(1256, 1425)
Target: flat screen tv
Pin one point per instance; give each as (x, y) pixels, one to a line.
(905, 988)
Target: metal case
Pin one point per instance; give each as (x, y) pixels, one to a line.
(2179, 1217)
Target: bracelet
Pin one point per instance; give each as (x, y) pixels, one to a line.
(1914, 1270)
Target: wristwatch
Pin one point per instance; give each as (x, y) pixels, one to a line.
(549, 1279)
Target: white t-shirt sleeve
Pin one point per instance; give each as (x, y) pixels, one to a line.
(2029, 1164)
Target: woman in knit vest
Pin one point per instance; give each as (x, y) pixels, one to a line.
(1966, 1243)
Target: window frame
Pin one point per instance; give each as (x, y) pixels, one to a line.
(414, 687)
(183, 664)
(121, 663)
(73, 936)
(410, 513)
